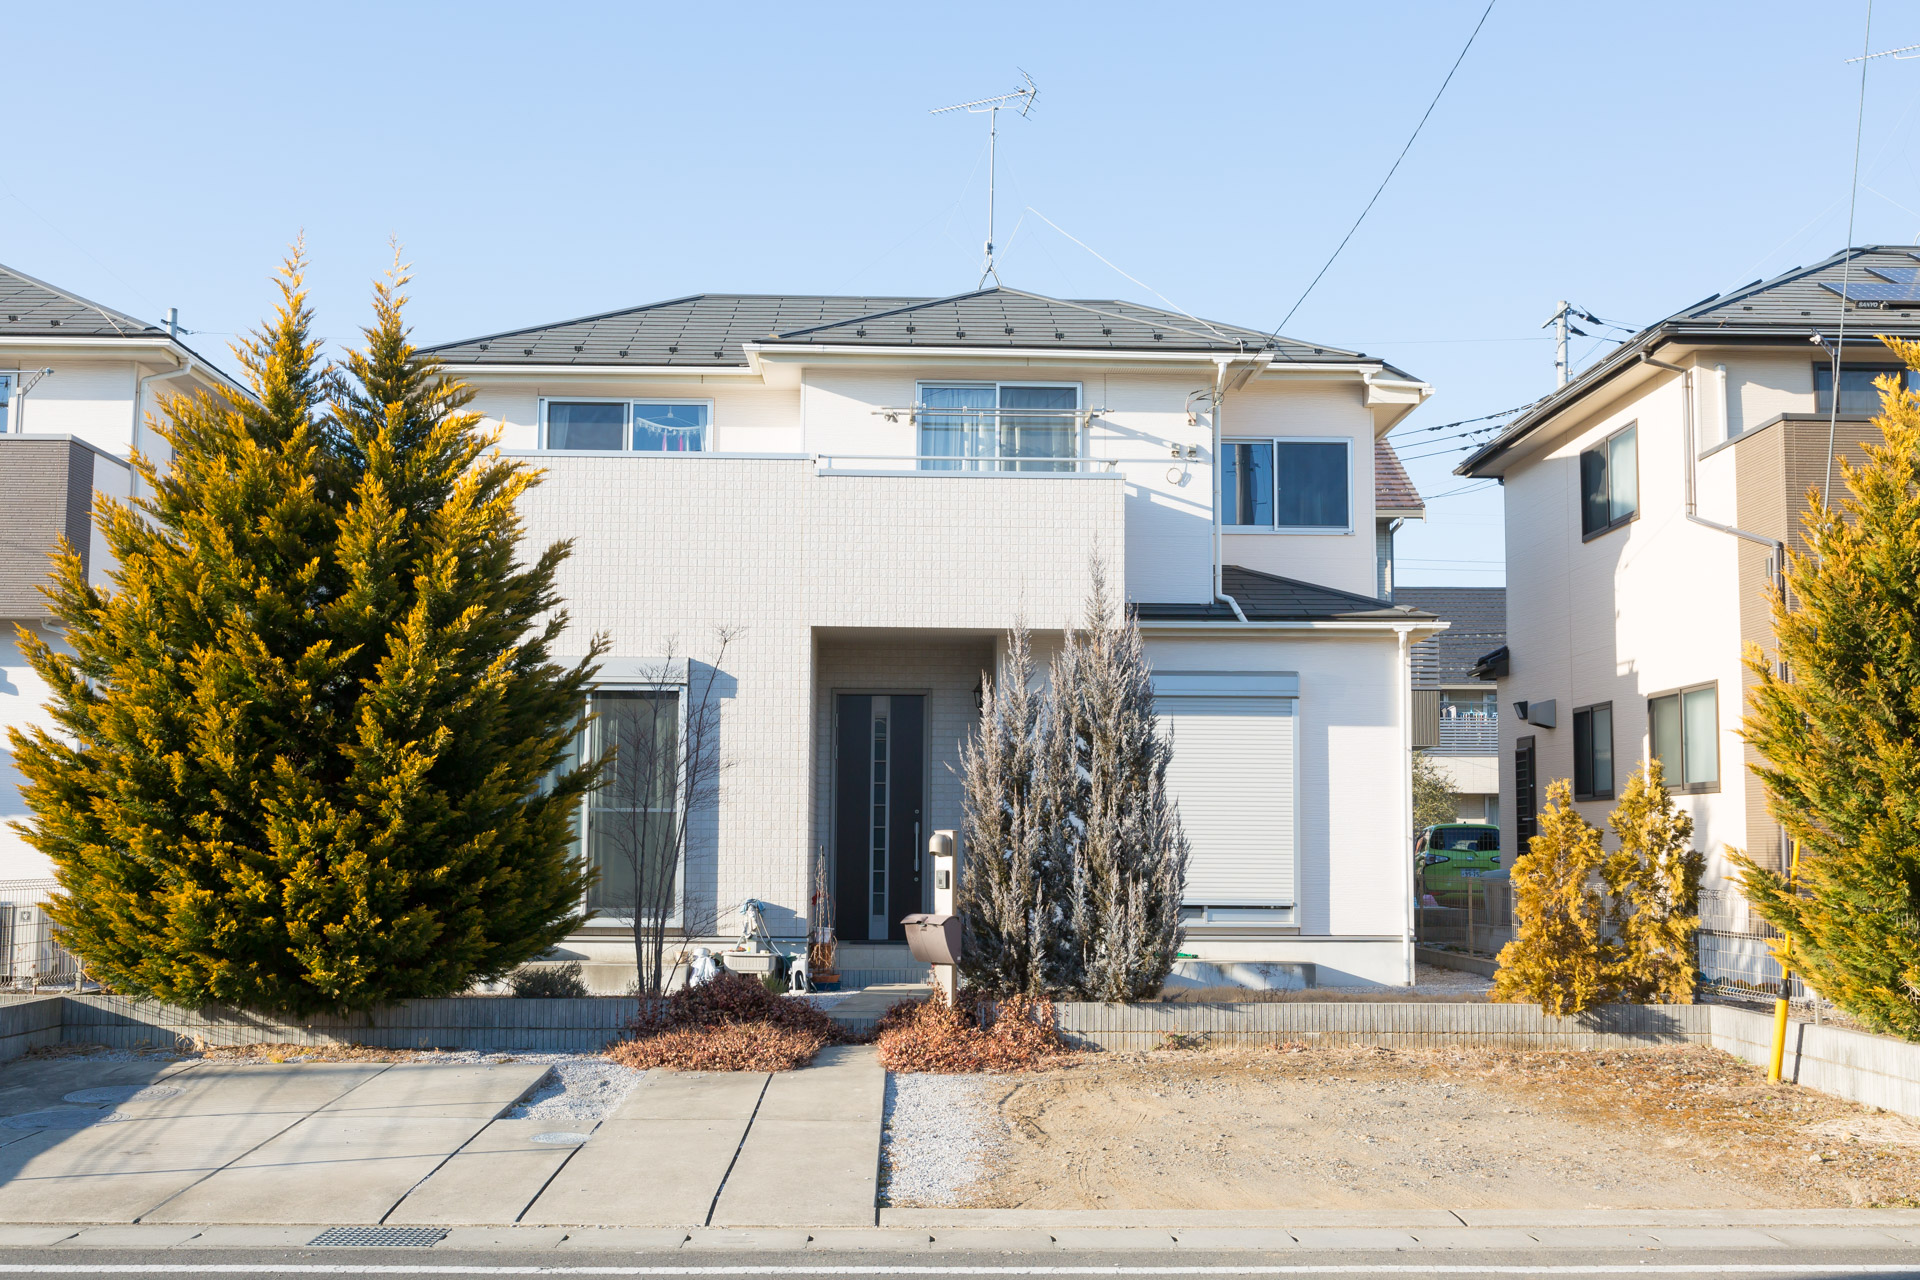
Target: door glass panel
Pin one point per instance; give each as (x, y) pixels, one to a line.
(585, 425)
(1702, 736)
(632, 823)
(880, 814)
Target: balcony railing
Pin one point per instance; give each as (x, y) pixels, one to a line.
(951, 464)
(1468, 735)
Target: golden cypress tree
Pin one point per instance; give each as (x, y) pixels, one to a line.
(1559, 958)
(1839, 736)
(1653, 881)
(304, 735)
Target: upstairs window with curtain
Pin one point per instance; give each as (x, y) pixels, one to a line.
(999, 427)
(627, 426)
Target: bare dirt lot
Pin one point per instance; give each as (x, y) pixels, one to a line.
(1448, 1128)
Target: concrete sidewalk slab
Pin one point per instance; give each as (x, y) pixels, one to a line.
(1834, 1237)
(256, 1237)
(330, 1167)
(492, 1179)
(424, 1090)
(34, 1083)
(215, 1090)
(804, 1172)
(694, 1095)
(1355, 1238)
(34, 1237)
(642, 1173)
(119, 1172)
(843, 1083)
(1840, 1216)
(1048, 1219)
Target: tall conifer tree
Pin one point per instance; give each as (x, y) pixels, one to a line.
(303, 737)
(1654, 884)
(1559, 958)
(1839, 735)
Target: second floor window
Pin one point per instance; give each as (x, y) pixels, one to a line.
(627, 426)
(1610, 482)
(1858, 395)
(999, 427)
(1284, 484)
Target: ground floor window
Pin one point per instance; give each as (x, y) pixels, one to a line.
(1593, 752)
(630, 828)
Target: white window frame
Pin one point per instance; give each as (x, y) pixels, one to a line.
(1292, 530)
(8, 378)
(680, 689)
(626, 432)
(1083, 443)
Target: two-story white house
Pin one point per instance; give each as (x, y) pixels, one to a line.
(78, 382)
(873, 490)
(1648, 503)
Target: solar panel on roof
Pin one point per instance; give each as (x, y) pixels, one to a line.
(1873, 293)
(1905, 275)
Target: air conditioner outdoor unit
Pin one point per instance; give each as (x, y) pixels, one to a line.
(29, 945)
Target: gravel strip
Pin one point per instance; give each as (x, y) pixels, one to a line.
(938, 1133)
(581, 1089)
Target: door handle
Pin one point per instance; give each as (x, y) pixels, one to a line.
(916, 850)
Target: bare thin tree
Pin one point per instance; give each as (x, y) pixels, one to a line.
(661, 782)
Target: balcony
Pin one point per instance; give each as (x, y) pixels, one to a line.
(1468, 735)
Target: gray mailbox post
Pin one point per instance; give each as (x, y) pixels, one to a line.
(934, 937)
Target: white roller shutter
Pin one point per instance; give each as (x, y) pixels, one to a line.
(1232, 773)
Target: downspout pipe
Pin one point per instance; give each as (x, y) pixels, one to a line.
(1219, 398)
(1776, 547)
(1405, 681)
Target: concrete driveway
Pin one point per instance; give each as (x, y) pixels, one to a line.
(92, 1141)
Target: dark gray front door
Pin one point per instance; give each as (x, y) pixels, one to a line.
(880, 784)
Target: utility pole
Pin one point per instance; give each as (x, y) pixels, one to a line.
(1559, 323)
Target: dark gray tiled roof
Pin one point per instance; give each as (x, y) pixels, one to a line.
(1792, 306)
(1393, 491)
(1267, 597)
(1479, 618)
(34, 308)
(711, 330)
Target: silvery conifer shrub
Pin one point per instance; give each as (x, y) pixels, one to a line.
(1075, 860)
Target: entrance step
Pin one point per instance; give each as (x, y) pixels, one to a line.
(863, 1008)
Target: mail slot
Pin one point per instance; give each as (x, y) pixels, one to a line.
(933, 939)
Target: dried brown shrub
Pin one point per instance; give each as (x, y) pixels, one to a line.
(934, 1036)
(732, 1023)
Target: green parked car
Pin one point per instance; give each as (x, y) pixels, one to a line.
(1448, 852)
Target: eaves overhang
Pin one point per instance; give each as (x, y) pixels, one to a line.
(1418, 628)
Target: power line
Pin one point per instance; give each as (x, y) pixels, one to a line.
(1390, 172)
(1442, 426)
(1846, 268)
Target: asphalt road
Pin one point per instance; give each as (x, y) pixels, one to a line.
(971, 1265)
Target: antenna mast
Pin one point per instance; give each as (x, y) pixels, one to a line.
(990, 108)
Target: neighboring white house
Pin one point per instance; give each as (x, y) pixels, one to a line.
(1646, 506)
(1456, 702)
(873, 490)
(77, 382)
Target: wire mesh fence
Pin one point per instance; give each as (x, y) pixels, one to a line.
(31, 957)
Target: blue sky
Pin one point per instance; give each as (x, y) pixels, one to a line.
(541, 162)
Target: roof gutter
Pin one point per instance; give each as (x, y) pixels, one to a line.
(1776, 549)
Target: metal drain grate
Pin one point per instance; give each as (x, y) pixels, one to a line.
(382, 1237)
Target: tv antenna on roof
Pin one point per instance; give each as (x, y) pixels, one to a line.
(1020, 100)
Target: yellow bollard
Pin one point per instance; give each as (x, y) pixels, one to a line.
(1778, 1059)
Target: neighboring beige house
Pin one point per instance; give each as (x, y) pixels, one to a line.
(77, 382)
(875, 489)
(1456, 701)
(1646, 505)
